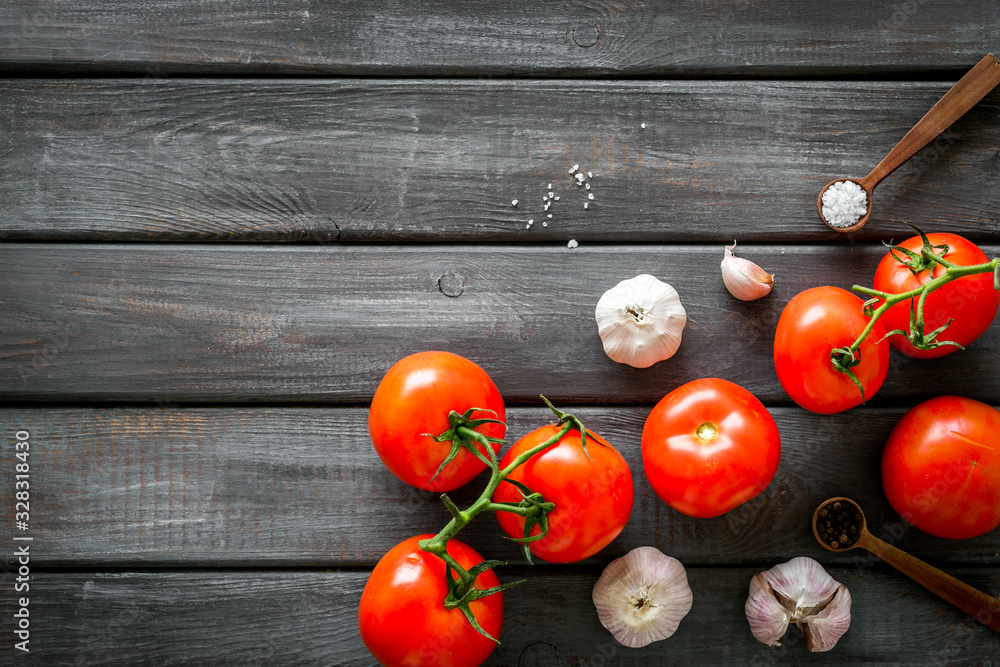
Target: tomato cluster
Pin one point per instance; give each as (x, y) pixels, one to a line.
(818, 322)
(423, 404)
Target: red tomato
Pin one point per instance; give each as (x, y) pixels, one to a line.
(709, 446)
(402, 618)
(814, 322)
(413, 400)
(593, 496)
(941, 467)
(970, 302)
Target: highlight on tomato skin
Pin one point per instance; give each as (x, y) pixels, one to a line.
(402, 618)
(813, 323)
(941, 467)
(593, 494)
(412, 403)
(709, 446)
(970, 302)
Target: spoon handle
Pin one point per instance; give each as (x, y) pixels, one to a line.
(964, 95)
(973, 602)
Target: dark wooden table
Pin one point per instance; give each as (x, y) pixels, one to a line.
(222, 222)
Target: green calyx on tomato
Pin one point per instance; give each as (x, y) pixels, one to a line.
(461, 435)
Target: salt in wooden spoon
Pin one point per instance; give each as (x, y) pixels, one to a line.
(975, 603)
(964, 95)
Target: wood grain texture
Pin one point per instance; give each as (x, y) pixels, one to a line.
(290, 324)
(441, 161)
(310, 618)
(304, 487)
(498, 37)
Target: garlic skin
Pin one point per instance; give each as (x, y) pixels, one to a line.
(642, 597)
(640, 321)
(744, 279)
(801, 592)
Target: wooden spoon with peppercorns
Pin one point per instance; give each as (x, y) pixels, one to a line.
(839, 525)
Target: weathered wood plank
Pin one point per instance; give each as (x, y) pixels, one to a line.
(310, 618)
(303, 486)
(321, 161)
(498, 37)
(288, 324)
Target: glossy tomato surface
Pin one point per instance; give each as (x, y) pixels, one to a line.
(970, 302)
(941, 467)
(709, 446)
(402, 618)
(812, 323)
(593, 496)
(413, 400)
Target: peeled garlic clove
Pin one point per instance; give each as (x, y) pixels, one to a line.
(801, 592)
(642, 597)
(640, 321)
(744, 279)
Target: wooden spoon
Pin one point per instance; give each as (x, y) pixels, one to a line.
(964, 95)
(975, 603)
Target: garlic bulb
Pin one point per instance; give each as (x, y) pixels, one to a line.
(744, 279)
(801, 592)
(640, 321)
(642, 597)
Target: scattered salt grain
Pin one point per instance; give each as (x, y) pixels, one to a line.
(550, 187)
(588, 186)
(844, 203)
(552, 194)
(590, 196)
(548, 216)
(590, 174)
(586, 204)
(556, 198)
(572, 243)
(513, 202)
(545, 198)
(574, 168)
(544, 224)
(580, 178)
(547, 207)
(642, 125)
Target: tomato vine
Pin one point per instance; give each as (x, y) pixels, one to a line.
(846, 358)
(462, 586)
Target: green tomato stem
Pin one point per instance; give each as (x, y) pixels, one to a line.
(952, 272)
(461, 518)
(845, 358)
(534, 508)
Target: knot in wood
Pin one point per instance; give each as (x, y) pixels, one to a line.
(586, 34)
(451, 284)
